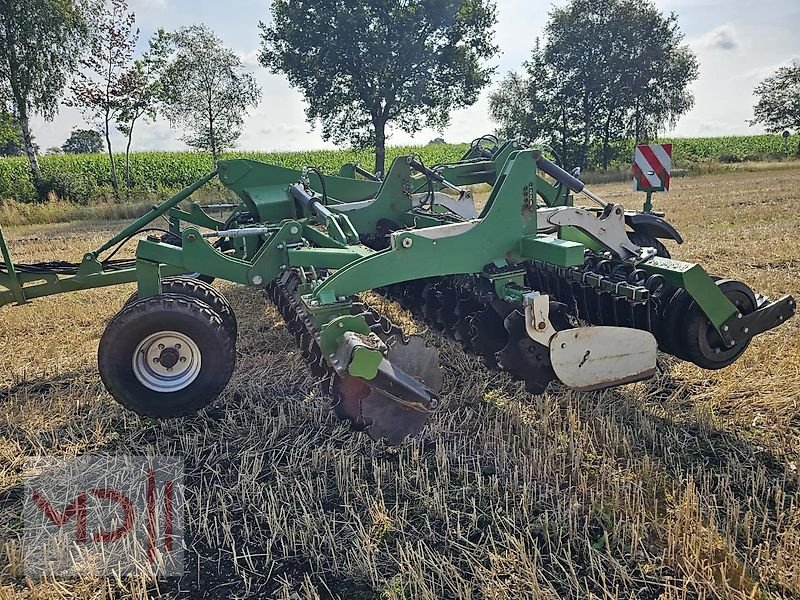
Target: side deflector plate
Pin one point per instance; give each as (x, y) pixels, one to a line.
(595, 358)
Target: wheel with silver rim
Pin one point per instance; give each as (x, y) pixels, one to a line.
(166, 356)
(167, 361)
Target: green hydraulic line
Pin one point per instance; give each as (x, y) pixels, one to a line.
(154, 213)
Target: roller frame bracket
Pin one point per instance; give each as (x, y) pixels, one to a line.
(608, 229)
(537, 318)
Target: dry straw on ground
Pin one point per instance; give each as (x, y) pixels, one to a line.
(681, 487)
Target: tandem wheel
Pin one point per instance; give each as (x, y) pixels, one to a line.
(196, 288)
(166, 356)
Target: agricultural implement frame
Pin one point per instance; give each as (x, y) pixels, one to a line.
(532, 283)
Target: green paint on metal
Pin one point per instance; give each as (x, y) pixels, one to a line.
(318, 238)
(195, 216)
(469, 171)
(264, 188)
(148, 277)
(53, 284)
(198, 256)
(573, 234)
(347, 170)
(326, 258)
(563, 253)
(648, 203)
(454, 248)
(702, 288)
(392, 202)
(9, 279)
(509, 286)
(364, 362)
(334, 328)
(195, 257)
(153, 214)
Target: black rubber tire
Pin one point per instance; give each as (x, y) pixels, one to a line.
(699, 341)
(195, 288)
(640, 238)
(166, 312)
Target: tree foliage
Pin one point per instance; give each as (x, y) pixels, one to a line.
(142, 85)
(778, 107)
(41, 42)
(206, 89)
(364, 64)
(609, 69)
(101, 88)
(10, 135)
(83, 141)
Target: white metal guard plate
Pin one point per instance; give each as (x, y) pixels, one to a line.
(595, 358)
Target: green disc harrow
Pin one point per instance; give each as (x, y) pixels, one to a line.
(536, 285)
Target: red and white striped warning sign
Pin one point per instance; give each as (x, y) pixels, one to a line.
(651, 167)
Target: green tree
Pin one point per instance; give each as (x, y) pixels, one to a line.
(608, 69)
(655, 71)
(206, 89)
(536, 106)
(83, 141)
(99, 88)
(364, 64)
(141, 88)
(778, 107)
(41, 42)
(10, 135)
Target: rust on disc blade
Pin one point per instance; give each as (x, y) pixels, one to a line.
(369, 408)
(418, 360)
(348, 393)
(383, 416)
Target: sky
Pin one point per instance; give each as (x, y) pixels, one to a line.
(738, 43)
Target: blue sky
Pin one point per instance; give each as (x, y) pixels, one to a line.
(738, 43)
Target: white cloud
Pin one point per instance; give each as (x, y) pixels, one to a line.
(724, 38)
(759, 73)
(250, 59)
(144, 5)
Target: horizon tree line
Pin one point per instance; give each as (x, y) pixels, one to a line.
(605, 70)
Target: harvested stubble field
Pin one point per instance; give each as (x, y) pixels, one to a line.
(685, 486)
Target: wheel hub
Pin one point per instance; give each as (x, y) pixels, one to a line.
(166, 361)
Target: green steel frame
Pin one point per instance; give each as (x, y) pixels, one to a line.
(270, 232)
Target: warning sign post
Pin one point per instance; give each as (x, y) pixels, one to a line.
(652, 164)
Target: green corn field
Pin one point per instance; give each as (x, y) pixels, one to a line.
(87, 177)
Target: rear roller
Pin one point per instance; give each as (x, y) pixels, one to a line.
(166, 356)
(699, 341)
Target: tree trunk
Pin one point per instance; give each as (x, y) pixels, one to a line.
(380, 145)
(565, 155)
(587, 129)
(128, 158)
(213, 140)
(606, 140)
(637, 125)
(114, 182)
(21, 104)
(211, 135)
(30, 151)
